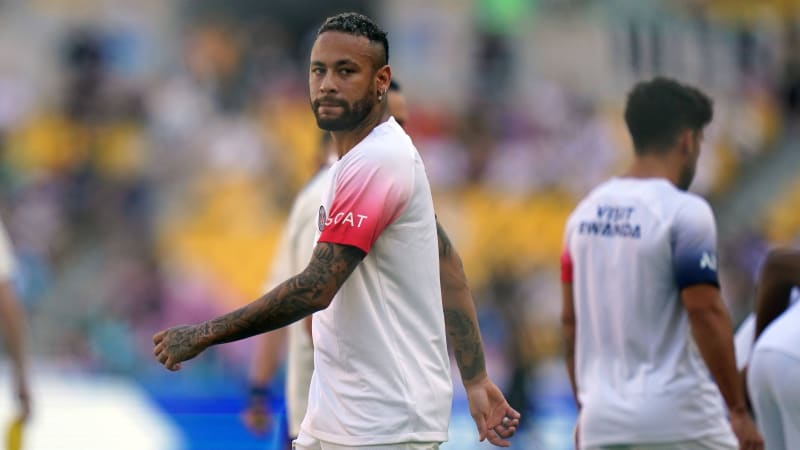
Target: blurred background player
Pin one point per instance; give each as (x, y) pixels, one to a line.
(774, 365)
(381, 375)
(294, 250)
(13, 326)
(641, 295)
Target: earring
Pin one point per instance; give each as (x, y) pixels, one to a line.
(380, 96)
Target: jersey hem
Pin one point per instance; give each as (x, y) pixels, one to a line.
(654, 439)
(386, 439)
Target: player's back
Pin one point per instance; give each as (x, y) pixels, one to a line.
(640, 377)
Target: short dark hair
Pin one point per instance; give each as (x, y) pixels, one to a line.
(658, 110)
(394, 85)
(358, 25)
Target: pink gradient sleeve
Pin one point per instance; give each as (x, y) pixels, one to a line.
(368, 196)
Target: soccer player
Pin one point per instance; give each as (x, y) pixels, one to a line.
(381, 371)
(642, 315)
(293, 253)
(775, 361)
(12, 326)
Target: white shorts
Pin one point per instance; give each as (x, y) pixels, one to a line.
(775, 394)
(722, 442)
(306, 442)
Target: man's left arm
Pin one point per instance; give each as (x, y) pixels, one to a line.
(490, 410)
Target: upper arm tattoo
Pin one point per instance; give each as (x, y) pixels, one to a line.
(295, 298)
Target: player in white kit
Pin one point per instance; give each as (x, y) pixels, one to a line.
(381, 372)
(642, 316)
(294, 251)
(774, 366)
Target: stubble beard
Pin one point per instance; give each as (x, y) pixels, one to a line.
(352, 115)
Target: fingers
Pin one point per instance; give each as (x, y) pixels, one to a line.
(506, 429)
(256, 420)
(161, 354)
(499, 434)
(480, 422)
(497, 440)
(172, 365)
(512, 413)
(158, 337)
(509, 422)
(166, 360)
(505, 432)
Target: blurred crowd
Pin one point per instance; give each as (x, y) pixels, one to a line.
(148, 155)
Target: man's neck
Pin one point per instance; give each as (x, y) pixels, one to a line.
(345, 140)
(654, 166)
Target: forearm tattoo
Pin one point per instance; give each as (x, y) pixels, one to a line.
(464, 337)
(462, 328)
(293, 299)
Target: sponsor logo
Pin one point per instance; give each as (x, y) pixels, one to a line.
(708, 261)
(321, 218)
(348, 218)
(608, 229)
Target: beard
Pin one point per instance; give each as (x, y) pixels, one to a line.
(352, 113)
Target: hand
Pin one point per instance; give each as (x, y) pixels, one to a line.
(178, 344)
(257, 419)
(746, 431)
(495, 419)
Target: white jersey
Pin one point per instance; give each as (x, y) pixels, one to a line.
(783, 334)
(291, 258)
(743, 341)
(382, 373)
(630, 246)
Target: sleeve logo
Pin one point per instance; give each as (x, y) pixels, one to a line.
(708, 261)
(321, 218)
(347, 218)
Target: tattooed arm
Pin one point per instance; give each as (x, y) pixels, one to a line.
(460, 319)
(311, 290)
(495, 419)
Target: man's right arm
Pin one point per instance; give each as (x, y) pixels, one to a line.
(12, 326)
(780, 273)
(310, 291)
(713, 334)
